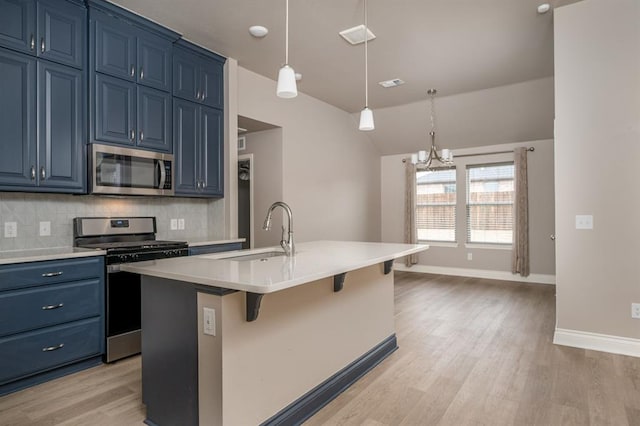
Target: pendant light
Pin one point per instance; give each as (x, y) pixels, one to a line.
(286, 76)
(431, 159)
(366, 115)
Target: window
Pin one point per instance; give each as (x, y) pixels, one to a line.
(436, 205)
(490, 196)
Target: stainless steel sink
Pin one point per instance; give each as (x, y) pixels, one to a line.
(257, 256)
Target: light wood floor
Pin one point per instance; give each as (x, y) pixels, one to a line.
(472, 352)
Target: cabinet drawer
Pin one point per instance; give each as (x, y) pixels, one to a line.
(50, 272)
(43, 306)
(28, 353)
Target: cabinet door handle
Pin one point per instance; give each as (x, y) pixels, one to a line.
(52, 274)
(33, 172)
(133, 71)
(33, 42)
(53, 348)
(51, 307)
(202, 96)
(141, 73)
(132, 135)
(43, 173)
(553, 237)
(141, 135)
(198, 95)
(42, 45)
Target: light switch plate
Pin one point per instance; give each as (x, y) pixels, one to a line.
(45, 228)
(181, 223)
(174, 224)
(10, 229)
(584, 221)
(209, 318)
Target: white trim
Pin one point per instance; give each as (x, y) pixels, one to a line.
(597, 342)
(451, 244)
(477, 273)
(488, 246)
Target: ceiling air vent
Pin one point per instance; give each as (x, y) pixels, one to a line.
(355, 35)
(391, 83)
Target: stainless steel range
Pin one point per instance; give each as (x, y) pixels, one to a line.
(126, 240)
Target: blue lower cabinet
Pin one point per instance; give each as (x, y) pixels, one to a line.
(22, 354)
(52, 319)
(39, 307)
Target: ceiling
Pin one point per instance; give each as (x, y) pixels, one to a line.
(456, 46)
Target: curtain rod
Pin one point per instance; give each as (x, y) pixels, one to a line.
(531, 149)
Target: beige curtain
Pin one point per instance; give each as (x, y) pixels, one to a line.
(520, 255)
(410, 232)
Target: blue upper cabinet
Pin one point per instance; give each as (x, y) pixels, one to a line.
(154, 119)
(115, 109)
(211, 152)
(50, 29)
(198, 75)
(130, 71)
(18, 25)
(62, 29)
(61, 124)
(154, 61)
(17, 120)
(113, 46)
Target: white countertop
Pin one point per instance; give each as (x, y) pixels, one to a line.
(54, 253)
(313, 261)
(209, 242)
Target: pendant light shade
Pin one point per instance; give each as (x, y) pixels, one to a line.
(366, 120)
(287, 83)
(366, 115)
(287, 87)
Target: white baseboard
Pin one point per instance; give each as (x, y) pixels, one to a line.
(477, 273)
(597, 342)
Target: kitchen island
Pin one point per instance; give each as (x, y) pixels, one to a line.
(256, 337)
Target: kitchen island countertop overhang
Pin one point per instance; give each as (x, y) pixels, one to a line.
(313, 261)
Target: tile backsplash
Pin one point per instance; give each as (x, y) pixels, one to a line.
(201, 216)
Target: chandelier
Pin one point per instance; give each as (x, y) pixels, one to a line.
(432, 159)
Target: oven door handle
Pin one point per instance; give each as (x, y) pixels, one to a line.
(163, 174)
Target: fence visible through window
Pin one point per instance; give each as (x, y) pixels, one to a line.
(490, 197)
(436, 204)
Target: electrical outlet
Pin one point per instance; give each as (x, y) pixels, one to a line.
(584, 221)
(469, 256)
(45, 228)
(181, 223)
(10, 229)
(635, 310)
(174, 224)
(209, 318)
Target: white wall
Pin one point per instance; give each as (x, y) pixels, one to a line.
(514, 113)
(453, 258)
(266, 169)
(331, 171)
(597, 77)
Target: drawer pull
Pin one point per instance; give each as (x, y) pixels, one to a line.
(52, 274)
(50, 307)
(53, 348)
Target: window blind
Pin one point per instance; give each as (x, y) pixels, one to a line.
(490, 197)
(436, 204)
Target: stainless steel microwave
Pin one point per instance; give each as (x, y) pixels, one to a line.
(128, 171)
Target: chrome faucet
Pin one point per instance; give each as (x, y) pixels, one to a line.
(287, 245)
